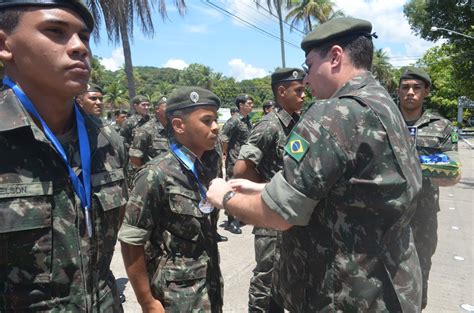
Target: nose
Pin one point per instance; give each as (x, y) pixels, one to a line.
(78, 47)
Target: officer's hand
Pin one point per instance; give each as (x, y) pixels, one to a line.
(246, 186)
(216, 192)
(153, 306)
(446, 182)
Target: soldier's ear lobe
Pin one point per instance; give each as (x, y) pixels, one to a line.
(5, 53)
(178, 125)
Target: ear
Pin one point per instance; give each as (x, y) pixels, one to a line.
(281, 91)
(5, 52)
(427, 91)
(335, 54)
(178, 125)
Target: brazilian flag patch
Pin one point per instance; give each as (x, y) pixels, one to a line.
(454, 137)
(296, 147)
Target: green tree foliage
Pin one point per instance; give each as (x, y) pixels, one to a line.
(311, 12)
(445, 90)
(384, 71)
(196, 75)
(457, 15)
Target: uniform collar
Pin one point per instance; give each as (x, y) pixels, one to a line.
(284, 117)
(355, 83)
(188, 153)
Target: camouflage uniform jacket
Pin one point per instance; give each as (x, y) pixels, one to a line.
(129, 126)
(149, 141)
(265, 148)
(163, 209)
(47, 260)
(349, 190)
(434, 135)
(235, 132)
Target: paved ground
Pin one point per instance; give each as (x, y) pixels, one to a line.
(451, 281)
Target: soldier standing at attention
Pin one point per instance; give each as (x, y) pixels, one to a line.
(168, 209)
(62, 186)
(140, 104)
(121, 116)
(234, 134)
(433, 134)
(91, 101)
(259, 160)
(347, 191)
(151, 139)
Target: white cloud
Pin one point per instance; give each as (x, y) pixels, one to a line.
(176, 63)
(115, 62)
(240, 71)
(197, 28)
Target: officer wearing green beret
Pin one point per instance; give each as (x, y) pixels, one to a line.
(168, 208)
(91, 101)
(62, 185)
(260, 158)
(347, 190)
(151, 138)
(234, 134)
(432, 134)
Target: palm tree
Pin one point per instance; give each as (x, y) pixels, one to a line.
(383, 70)
(278, 4)
(119, 17)
(307, 10)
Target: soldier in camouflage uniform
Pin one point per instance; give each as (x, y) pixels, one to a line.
(268, 107)
(234, 134)
(347, 191)
(121, 116)
(91, 101)
(151, 139)
(259, 160)
(140, 104)
(168, 208)
(433, 134)
(51, 258)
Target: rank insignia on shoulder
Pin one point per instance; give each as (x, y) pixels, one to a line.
(296, 147)
(454, 137)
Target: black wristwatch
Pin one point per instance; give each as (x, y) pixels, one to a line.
(227, 196)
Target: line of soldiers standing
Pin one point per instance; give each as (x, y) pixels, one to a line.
(64, 193)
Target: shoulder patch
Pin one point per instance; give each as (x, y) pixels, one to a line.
(296, 146)
(454, 137)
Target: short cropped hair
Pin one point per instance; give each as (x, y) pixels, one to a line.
(360, 49)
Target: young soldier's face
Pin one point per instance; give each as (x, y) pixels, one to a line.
(48, 52)
(201, 129)
(142, 107)
(119, 119)
(412, 92)
(92, 103)
(318, 76)
(292, 96)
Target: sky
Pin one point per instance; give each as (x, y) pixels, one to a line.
(236, 39)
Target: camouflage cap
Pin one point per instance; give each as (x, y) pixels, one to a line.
(335, 28)
(139, 99)
(77, 6)
(411, 72)
(287, 74)
(189, 97)
(93, 88)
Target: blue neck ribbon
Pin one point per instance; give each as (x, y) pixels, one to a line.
(190, 165)
(82, 188)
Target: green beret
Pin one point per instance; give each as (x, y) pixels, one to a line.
(242, 98)
(335, 28)
(287, 74)
(160, 101)
(411, 72)
(93, 88)
(77, 6)
(139, 99)
(189, 97)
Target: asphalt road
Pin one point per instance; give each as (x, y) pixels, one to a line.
(452, 275)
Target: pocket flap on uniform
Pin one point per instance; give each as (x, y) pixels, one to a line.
(184, 201)
(25, 190)
(107, 177)
(196, 270)
(109, 189)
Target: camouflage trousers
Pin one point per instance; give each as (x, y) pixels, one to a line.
(260, 297)
(425, 233)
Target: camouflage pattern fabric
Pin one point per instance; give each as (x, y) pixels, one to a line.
(349, 182)
(163, 210)
(435, 134)
(129, 126)
(235, 132)
(265, 148)
(149, 141)
(47, 261)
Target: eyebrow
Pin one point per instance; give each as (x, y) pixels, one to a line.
(64, 24)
